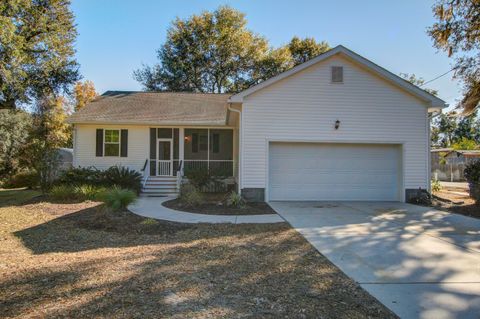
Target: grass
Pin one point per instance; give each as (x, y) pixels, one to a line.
(81, 260)
(10, 197)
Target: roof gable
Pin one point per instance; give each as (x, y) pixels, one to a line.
(433, 101)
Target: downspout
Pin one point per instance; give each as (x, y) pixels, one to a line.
(240, 139)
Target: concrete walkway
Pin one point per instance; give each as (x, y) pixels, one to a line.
(419, 262)
(152, 207)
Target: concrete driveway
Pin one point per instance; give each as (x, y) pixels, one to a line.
(419, 262)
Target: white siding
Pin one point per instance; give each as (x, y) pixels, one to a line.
(305, 106)
(85, 141)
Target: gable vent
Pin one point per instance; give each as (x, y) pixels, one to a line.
(337, 74)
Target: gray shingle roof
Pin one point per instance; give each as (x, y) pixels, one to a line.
(154, 108)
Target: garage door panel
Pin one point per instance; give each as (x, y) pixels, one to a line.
(311, 171)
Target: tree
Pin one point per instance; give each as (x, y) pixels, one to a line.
(465, 144)
(418, 81)
(457, 32)
(303, 50)
(447, 125)
(210, 52)
(14, 129)
(36, 50)
(83, 92)
(48, 133)
(214, 52)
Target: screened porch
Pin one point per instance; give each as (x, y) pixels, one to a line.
(182, 150)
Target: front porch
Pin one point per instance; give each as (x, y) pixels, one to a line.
(176, 151)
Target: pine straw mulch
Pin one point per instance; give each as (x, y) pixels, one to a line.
(80, 260)
(214, 204)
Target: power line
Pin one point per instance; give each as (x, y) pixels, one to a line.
(438, 77)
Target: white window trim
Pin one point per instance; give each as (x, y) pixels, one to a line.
(119, 142)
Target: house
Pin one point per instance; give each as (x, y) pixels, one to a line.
(337, 127)
(448, 164)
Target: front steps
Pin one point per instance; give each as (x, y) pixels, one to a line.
(160, 186)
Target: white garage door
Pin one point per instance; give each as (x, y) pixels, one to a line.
(312, 171)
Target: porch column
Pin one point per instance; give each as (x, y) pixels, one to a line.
(181, 146)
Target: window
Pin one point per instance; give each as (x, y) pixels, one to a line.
(195, 142)
(164, 133)
(203, 142)
(337, 74)
(215, 143)
(112, 143)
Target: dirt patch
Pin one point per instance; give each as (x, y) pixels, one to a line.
(215, 205)
(84, 261)
(456, 200)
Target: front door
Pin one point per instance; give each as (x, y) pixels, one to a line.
(164, 159)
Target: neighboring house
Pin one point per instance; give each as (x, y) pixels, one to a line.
(448, 164)
(337, 127)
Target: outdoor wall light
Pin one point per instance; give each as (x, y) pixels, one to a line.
(337, 124)
(188, 138)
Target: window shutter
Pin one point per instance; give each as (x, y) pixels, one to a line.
(337, 74)
(153, 151)
(124, 143)
(99, 144)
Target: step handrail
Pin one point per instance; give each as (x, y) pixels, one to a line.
(146, 172)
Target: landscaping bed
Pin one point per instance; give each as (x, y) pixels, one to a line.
(456, 200)
(82, 260)
(213, 204)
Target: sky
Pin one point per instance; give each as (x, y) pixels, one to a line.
(117, 36)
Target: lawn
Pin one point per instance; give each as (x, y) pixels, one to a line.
(81, 260)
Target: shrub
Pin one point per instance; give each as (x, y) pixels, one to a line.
(81, 176)
(123, 177)
(118, 198)
(28, 178)
(199, 177)
(472, 174)
(235, 200)
(71, 192)
(436, 187)
(63, 192)
(89, 192)
(190, 195)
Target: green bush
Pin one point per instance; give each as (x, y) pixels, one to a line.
(199, 177)
(436, 186)
(28, 178)
(89, 192)
(190, 195)
(472, 174)
(118, 198)
(82, 192)
(63, 192)
(235, 200)
(120, 176)
(123, 177)
(81, 176)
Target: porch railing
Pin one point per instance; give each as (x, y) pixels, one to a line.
(145, 171)
(217, 167)
(164, 168)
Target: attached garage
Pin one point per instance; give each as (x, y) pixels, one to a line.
(341, 171)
